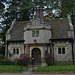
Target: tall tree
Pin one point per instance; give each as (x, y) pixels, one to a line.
(68, 7)
(1, 5)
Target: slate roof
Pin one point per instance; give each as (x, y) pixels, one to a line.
(59, 29)
(16, 32)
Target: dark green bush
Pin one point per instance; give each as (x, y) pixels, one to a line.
(5, 61)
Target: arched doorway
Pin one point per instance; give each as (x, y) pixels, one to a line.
(36, 55)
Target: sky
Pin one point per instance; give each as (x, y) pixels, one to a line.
(6, 6)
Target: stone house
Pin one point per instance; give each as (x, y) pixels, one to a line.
(40, 36)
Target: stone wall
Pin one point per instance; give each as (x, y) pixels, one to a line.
(16, 45)
(68, 51)
(44, 36)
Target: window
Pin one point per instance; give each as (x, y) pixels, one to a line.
(15, 51)
(35, 33)
(61, 50)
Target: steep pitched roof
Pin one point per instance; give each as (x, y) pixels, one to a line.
(16, 32)
(60, 28)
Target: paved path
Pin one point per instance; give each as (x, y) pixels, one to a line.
(30, 70)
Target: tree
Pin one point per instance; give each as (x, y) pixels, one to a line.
(1, 5)
(68, 7)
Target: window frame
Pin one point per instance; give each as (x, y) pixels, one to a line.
(15, 52)
(35, 34)
(59, 50)
(63, 50)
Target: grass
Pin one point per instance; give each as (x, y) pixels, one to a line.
(56, 68)
(11, 68)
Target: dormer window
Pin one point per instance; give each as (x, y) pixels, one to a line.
(35, 33)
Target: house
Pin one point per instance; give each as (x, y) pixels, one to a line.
(40, 36)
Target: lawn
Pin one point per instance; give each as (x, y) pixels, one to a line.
(57, 68)
(11, 68)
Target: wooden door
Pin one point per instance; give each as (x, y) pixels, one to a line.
(36, 55)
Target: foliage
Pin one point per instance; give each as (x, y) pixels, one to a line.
(5, 61)
(17, 61)
(24, 10)
(2, 50)
(49, 59)
(67, 7)
(57, 68)
(1, 5)
(11, 68)
(24, 59)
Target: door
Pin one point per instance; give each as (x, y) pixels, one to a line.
(36, 55)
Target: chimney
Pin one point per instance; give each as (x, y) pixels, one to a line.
(39, 14)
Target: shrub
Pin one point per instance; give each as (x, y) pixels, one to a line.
(49, 59)
(1, 56)
(17, 61)
(24, 59)
(5, 61)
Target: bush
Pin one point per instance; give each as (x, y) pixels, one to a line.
(24, 59)
(49, 59)
(5, 61)
(17, 61)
